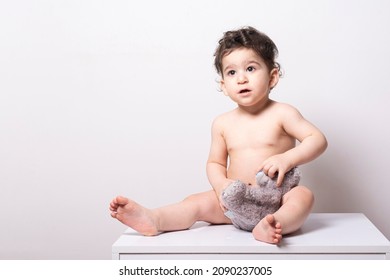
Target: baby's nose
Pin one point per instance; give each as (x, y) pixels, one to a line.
(242, 78)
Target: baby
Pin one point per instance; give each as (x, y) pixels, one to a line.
(260, 134)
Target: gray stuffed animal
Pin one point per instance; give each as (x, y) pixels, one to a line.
(247, 205)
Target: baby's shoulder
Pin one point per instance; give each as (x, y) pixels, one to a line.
(283, 109)
(224, 120)
(282, 106)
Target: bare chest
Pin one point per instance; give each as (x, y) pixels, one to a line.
(256, 136)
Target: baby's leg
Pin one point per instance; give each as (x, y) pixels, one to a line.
(296, 206)
(198, 207)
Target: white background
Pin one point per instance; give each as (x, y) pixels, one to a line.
(100, 98)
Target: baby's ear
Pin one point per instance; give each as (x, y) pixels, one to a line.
(223, 87)
(274, 78)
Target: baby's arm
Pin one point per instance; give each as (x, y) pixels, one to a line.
(312, 143)
(217, 161)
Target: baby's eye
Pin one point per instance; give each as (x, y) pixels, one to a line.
(231, 72)
(250, 69)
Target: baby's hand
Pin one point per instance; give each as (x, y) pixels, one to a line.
(223, 207)
(219, 194)
(275, 165)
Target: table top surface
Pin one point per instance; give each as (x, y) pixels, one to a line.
(321, 233)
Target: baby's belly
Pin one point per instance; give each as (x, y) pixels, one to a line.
(245, 169)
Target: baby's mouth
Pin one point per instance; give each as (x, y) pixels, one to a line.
(244, 91)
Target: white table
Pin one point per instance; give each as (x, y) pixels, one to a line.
(323, 236)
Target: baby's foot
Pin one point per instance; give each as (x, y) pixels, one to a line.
(268, 230)
(133, 215)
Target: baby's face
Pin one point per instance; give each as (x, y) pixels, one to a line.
(246, 78)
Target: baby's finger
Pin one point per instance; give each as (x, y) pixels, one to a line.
(260, 168)
(224, 209)
(272, 171)
(279, 181)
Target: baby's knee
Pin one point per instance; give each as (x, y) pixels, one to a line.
(306, 195)
(192, 198)
(200, 198)
(300, 194)
(203, 205)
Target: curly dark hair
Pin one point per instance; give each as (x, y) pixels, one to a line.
(251, 38)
